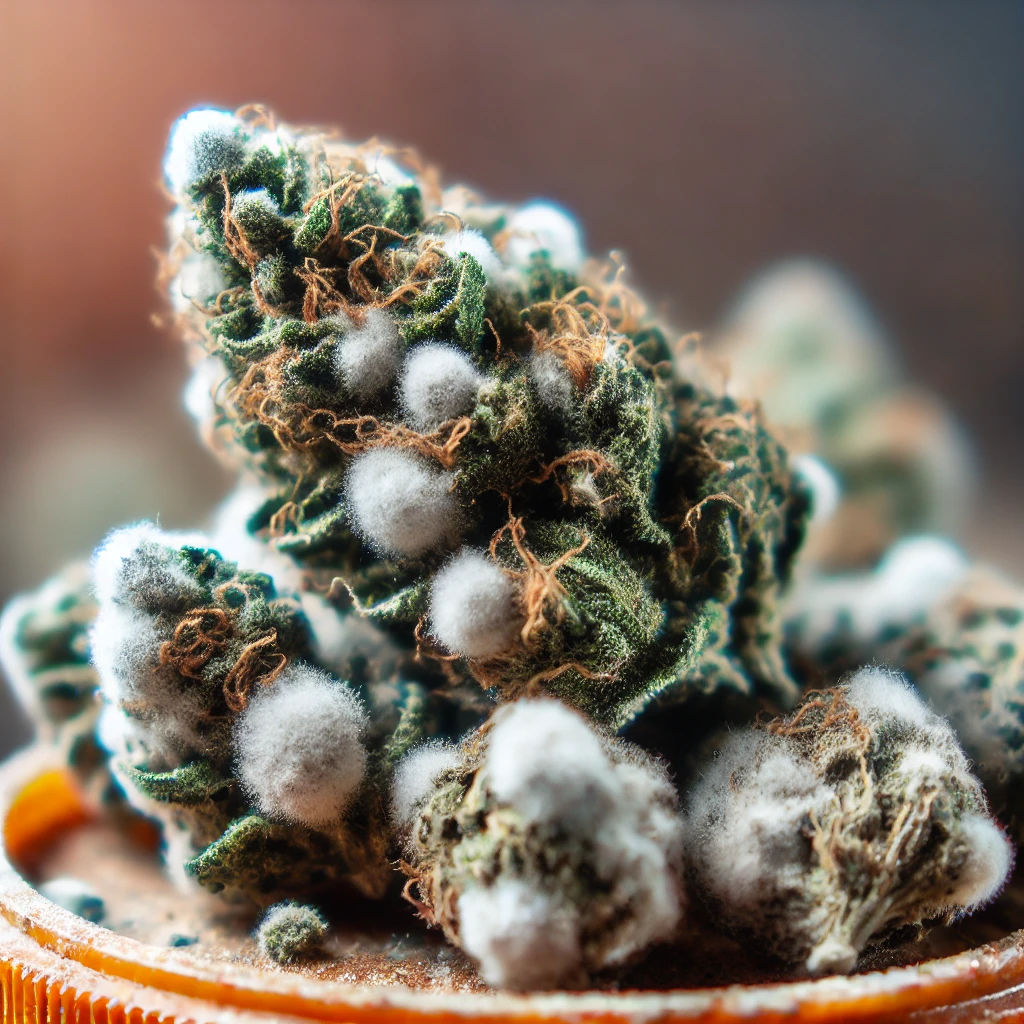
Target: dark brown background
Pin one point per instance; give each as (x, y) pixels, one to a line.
(703, 139)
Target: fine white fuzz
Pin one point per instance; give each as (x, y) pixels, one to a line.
(202, 141)
(416, 777)
(545, 761)
(125, 647)
(880, 695)
(522, 938)
(299, 749)
(989, 863)
(200, 279)
(823, 484)
(473, 606)
(472, 243)
(125, 569)
(884, 698)
(544, 227)
(616, 814)
(915, 574)
(367, 357)
(439, 382)
(745, 820)
(400, 503)
(551, 381)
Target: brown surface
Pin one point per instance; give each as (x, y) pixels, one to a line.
(111, 978)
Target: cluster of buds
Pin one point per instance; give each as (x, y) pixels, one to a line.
(489, 517)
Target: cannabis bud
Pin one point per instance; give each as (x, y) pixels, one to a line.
(476, 434)
(490, 519)
(966, 656)
(253, 758)
(290, 931)
(841, 823)
(544, 849)
(44, 652)
(801, 340)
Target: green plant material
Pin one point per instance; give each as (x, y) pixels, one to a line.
(967, 658)
(545, 850)
(852, 821)
(800, 340)
(649, 524)
(290, 931)
(44, 651)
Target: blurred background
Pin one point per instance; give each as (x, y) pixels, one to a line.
(702, 139)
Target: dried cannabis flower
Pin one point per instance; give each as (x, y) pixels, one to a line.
(543, 849)
(841, 823)
(447, 407)
(290, 931)
(253, 759)
(487, 517)
(966, 656)
(44, 651)
(802, 341)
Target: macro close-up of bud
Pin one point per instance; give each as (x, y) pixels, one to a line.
(533, 647)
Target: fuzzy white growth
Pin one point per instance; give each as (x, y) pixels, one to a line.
(823, 484)
(551, 381)
(545, 762)
(125, 647)
(254, 201)
(473, 608)
(125, 569)
(202, 141)
(915, 574)
(880, 695)
(921, 568)
(439, 382)
(416, 778)
(367, 358)
(473, 243)
(544, 227)
(744, 820)
(989, 862)
(74, 895)
(400, 503)
(883, 697)
(299, 750)
(921, 763)
(522, 938)
(200, 279)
